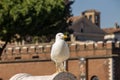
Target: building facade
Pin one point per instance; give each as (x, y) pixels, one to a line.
(87, 26)
(93, 61)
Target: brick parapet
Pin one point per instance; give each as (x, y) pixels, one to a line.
(35, 59)
(76, 49)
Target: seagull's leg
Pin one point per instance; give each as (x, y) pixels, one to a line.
(64, 66)
(57, 67)
(60, 66)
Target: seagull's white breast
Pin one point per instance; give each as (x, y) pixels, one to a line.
(60, 51)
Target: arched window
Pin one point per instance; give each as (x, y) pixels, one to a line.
(94, 78)
(1, 79)
(90, 17)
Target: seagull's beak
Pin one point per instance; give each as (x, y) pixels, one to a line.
(65, 36)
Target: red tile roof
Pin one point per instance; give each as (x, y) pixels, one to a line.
(111, 30)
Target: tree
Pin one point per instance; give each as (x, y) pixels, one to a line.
(19, 18)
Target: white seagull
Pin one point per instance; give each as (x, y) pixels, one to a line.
(60, 52)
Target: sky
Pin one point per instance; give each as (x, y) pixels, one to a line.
(110, 10)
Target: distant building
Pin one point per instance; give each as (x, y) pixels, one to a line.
(87, 26)
(112, 33)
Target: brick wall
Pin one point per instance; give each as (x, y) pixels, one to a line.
(35, 60)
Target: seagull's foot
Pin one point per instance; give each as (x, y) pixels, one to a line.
(58, 70)
(64, 70)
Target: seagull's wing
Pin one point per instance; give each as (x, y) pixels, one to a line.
(55, 51)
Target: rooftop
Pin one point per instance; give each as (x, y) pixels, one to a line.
(111, 30)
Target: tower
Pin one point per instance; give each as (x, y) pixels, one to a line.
(93, 16)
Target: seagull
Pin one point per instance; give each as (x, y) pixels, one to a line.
(60, 52)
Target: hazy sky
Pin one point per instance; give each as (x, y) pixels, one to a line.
(110, 10)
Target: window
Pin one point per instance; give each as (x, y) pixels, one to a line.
(94, 78)
(85, 16)
(82, 26)
(90, 17)
(81, 30)
(97, 19)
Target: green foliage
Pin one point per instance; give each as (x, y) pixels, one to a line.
(31, 17)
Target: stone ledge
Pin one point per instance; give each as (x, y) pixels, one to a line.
(55, 76)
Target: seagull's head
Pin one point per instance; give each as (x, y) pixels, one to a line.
(61, 36)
